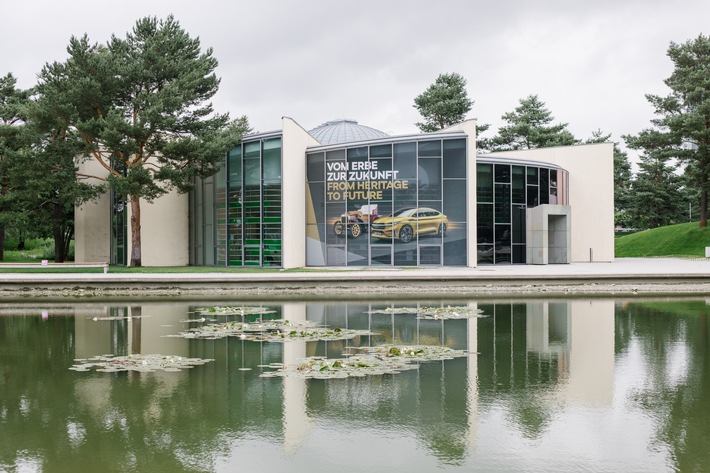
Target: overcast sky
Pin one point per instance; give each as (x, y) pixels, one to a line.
(590, 62)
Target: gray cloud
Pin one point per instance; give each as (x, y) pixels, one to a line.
(590, 62)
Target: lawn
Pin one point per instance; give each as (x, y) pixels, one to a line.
(685, 239)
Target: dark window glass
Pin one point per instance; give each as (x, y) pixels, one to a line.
(316, 167)
(533, 199)
(532, 176)
(430, 255)
(553, 177)
(354, 153)
(544, 186)
(518, 185)
(485, 254)
(455, 199)
(455, 158)
(381, 151)
(316, 212)
(335, 155)
(502, 173)
(502, 203)
(235, 163)
(519, 254)
(484, 183)
(518, 224)
(381, 254)
(430, 179)
(502, 244)
(405, 160)
(430, 148)
(484, 226)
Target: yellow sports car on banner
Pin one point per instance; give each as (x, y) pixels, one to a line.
(406, 224)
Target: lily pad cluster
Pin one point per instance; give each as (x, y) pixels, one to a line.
(118, 317)
(433, 313)
(230, 310)
(141, 363)
(272, 331)
(369, 361)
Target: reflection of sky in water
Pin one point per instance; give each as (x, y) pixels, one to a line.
(556, 386)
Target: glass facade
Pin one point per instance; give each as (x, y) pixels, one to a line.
(236, 214)
(505, 189)
(399, 203)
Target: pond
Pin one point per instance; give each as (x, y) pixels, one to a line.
(538, 385)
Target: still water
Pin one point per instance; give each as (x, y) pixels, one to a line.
(549, 385)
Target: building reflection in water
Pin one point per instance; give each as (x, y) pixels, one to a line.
(527, 357)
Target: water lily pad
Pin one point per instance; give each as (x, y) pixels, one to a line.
(229, 310)
(365, 361)
(117, 317)
(138, 362)
(434, 313)
(271, 331)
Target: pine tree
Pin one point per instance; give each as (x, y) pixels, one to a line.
(443, 103)
(12, 121)
(141, 107)
(529, 127)
(684, 115)
(655, 198)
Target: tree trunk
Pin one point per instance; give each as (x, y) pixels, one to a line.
(135, 231)
(703, 207)
(59, 255)
(2, 242)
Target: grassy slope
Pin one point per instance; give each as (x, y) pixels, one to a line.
(686, 239)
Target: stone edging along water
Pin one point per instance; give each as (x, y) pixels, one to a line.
(344, 286)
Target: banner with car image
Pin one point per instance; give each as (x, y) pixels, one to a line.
(398, 204)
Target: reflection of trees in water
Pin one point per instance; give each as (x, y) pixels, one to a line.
(673, 341)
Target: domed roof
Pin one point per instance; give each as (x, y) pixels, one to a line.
(344, 130)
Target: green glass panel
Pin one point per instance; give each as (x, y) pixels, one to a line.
(484, 182)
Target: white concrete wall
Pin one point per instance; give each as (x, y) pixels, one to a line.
(164, 233)
(293, 175)
(92, 221)
(591, 195)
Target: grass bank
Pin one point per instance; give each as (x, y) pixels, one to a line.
(685, 240)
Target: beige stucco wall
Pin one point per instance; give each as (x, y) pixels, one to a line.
(293, 172)
(591, 195)
(92, 222)
(164, 232)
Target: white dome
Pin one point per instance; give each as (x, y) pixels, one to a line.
(344, 130)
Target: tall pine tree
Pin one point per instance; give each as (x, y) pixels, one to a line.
(141, 106)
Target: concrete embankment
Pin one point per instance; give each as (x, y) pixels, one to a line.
(624, 277)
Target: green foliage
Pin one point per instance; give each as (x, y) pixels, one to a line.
(140, 106)
(685, 239)
(529, 127)
(682, 128)
(656, 198)
(443, 103)
(12, 142)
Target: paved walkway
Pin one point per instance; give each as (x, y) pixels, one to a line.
(624, 276)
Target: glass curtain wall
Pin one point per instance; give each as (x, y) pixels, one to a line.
(253, 230)
(504, 191)
(393, 204)
(236, 214)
